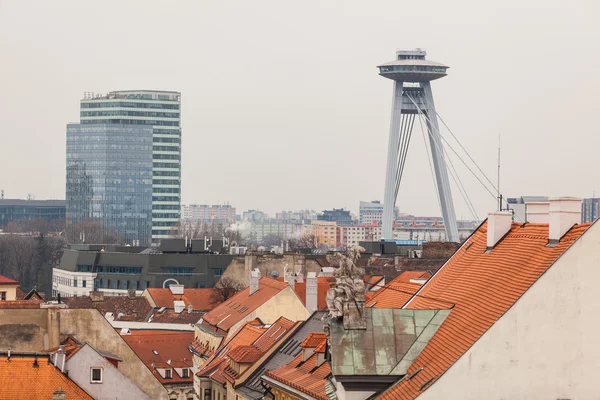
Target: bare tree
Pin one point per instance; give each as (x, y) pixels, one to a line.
(225, 288)
(92, 231)
(196, 229)
(306, 240)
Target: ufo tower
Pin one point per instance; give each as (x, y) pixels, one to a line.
(412, 75)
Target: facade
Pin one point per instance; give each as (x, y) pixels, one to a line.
(297, 216)
(324, 232)
(200, 212)
(115, 270)
(337, 215)
(160, 111)
(8, 288)
(372, 212)
(21, 210)
(261, 229)
(109, 179)
(254, 215)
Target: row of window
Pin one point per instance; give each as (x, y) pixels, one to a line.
(118, 113)
(167, 140)
(121, 284)
(165, 198)
(165, 165)
(166, 156)
(166, 148)
(130, 122)
(165, 190)
(130, 104)
(165, 181)
(109, 269)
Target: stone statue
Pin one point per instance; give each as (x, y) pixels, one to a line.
(349, 291)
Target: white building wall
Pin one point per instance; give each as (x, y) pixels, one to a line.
(63, 282)
(546, 346)
(114, 386)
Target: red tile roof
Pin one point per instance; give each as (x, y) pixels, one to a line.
(232, 311)
(7, 281)
(171, 317)
(396, 293)
(480, 287)
(324, 283)
(122, 307)
(200, 298)
(170, 345)
(20, 379)
(247, 346)
(306, 376)
(314, 339)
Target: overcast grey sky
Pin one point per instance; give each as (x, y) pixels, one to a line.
(282, 100)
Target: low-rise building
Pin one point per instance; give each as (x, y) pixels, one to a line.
(224, 214)
(23, 210)
(324, 232)
(8, 288)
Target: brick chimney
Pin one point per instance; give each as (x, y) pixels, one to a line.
(498, 225)
(564, 213)
(311, 292)
(254, 279)
(537, 212)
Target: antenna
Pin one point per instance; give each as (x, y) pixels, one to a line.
(498, 185)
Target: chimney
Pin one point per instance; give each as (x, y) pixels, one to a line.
(498, 225)
(537, 212)
(564, 213)
(131, 294)
(179, 306)
(291, 280)
(60, 358)
(59, 394)
(254, 279)
(311, 292)
(300, 277)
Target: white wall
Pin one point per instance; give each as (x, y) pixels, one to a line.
(114, 386)
(547, 346)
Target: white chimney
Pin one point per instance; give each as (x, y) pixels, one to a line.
(311, 292)
(254, 279)
(564, 213)
(300, 277)
(291, 280)
(60, 358)
(498, 225)
(179, 306)
(537, 212)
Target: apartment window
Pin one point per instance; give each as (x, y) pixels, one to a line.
(167, 374)
(74, 282)
(206, 394)
(83, 283)
(2, 295)
(185, 373)
(96, 375)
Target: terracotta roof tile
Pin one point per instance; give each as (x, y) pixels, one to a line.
(245, 354)
(7, 281)
(171, 317)
(397, 292)
(122, 307)
(314, 339)
(324, 283)
(480, 287)
(199, 298)
(305, 376)
(20, 379)
(170, 345)
(232, 311)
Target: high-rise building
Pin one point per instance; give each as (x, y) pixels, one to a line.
(160, 111)
(216, 213)
(372, 211)
(590, 210)
(109, 179)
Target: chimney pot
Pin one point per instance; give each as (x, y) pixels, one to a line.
(564, 213)
(498, 225)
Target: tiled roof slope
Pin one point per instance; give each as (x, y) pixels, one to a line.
(396, 293)
(306, 376)
(480, 288)
(199, 298)
(20, 379)
(170, 345)
(171, 317)
(241, 350)
(136, 309)
(229, 313)
(285, 352)
(7, 281)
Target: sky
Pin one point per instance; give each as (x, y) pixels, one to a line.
(282, 105)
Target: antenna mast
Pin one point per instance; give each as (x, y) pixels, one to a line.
(498, 185)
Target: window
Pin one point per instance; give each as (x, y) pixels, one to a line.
(206, 394)
(96, 375)
(74, 282)
(185, 373)
(83, 283)
(2, 295)
(167, 374)
(218, 271)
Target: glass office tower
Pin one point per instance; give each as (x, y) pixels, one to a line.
(159, 110)
(109, 179)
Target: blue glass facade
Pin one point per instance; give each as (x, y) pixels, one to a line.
(109, 178)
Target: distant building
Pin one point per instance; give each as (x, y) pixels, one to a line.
(22, 210)
(115, 270)
(259, 230)
(337, 215)
(217, 213)
(325, 232)
(590, 210)
(519, 206)
(372, 211)
(298, 216)
(253, 215)
(158, 111)
(109, 179)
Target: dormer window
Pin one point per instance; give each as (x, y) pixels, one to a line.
(167, 374)
(185, 373)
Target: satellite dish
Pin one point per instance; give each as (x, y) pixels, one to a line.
(275, 274)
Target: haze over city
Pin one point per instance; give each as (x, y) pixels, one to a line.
(282, 106)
